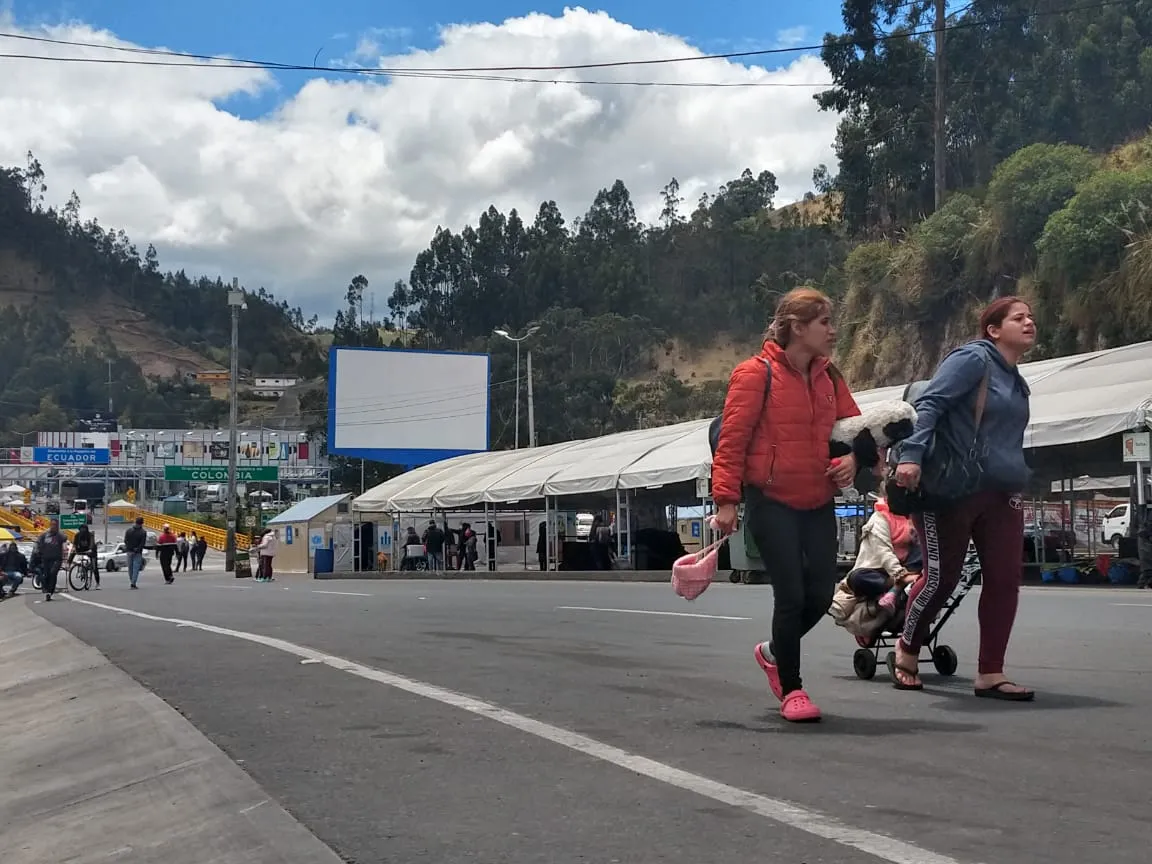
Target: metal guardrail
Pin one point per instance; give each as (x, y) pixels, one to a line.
(35, 525)
(214, 537)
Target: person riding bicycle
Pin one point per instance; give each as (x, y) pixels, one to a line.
(84, 543)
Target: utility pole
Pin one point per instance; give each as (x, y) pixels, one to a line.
(531, 407)
(938, 120)
(107, 497)
(516, 340)
(516, 446)
(235, 303)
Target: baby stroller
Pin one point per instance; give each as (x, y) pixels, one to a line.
(415, 557)
(865, 660)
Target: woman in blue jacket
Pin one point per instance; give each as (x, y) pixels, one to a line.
(968, 448)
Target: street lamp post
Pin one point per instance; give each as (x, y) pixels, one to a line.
(503, 332)
(235, 304)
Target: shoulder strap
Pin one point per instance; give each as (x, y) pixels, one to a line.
(982, 394)
(767, 381)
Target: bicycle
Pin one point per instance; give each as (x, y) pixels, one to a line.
(81, 572)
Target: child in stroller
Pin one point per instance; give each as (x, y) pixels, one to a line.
(871, 599)
(870, 603)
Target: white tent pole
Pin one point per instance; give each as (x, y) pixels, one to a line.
(618, 520)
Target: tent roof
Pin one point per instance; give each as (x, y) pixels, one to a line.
(1075, 399)
(308, 509)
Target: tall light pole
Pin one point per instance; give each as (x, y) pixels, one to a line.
(235, 304)
(501, 331)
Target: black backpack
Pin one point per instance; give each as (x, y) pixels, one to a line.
(714, 426)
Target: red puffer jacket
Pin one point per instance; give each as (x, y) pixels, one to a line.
(782, 449)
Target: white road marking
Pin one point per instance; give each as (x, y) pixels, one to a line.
(254, 806)
(344, 593)
(1137, 605)
(652, 612)
(783, 812)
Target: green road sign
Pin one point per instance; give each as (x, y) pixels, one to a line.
(214, 474)
(72, 521)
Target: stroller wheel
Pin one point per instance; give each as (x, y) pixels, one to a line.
(864, 664)
(945, 660)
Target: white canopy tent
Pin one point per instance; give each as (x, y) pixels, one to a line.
(1075, 399)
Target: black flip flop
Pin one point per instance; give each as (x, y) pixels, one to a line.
(911, 673)
(997, 691)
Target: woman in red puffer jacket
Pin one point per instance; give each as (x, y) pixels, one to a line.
(773, 453)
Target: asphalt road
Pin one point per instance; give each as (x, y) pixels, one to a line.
(405, 769)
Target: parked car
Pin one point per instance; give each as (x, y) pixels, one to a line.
(111, 557)
(1115, 525)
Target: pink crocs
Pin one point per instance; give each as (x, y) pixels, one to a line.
(798, 708)
(762, 657)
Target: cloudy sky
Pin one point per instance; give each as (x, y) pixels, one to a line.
(297, 181)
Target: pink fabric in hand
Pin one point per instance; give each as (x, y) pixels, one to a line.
(693, 573)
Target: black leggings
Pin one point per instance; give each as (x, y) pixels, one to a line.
(48, 579)
(798, 548)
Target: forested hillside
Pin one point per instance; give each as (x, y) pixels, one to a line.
(1037, 94)
(75, 295)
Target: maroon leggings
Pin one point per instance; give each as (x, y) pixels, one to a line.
(994, 521)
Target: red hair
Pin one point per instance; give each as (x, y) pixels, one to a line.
(803, 305)
(996, 311)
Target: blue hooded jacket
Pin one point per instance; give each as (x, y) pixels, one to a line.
(946, 418)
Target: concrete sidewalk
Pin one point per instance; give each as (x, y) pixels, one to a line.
(95, 767)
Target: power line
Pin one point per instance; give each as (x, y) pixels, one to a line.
(222, 62)
(406, 73)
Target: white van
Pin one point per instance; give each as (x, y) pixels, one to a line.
(584, 525)
(1115, 524)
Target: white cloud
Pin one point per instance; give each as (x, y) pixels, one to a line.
(790, 37)
(354, 175)
(373, 42)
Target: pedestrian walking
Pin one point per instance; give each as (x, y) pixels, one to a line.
(135, 539)
(965, 462)
(166, 550)
(266, 551)
(772, 453)
(50, 546)
(182, 547)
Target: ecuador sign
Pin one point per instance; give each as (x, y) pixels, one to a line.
(71, 455)
(218, 474)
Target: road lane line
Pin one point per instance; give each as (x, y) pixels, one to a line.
(344, 593)
(653, 612)
(1136, 605)
(774, 809)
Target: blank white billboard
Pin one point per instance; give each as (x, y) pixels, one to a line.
(406, 407)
